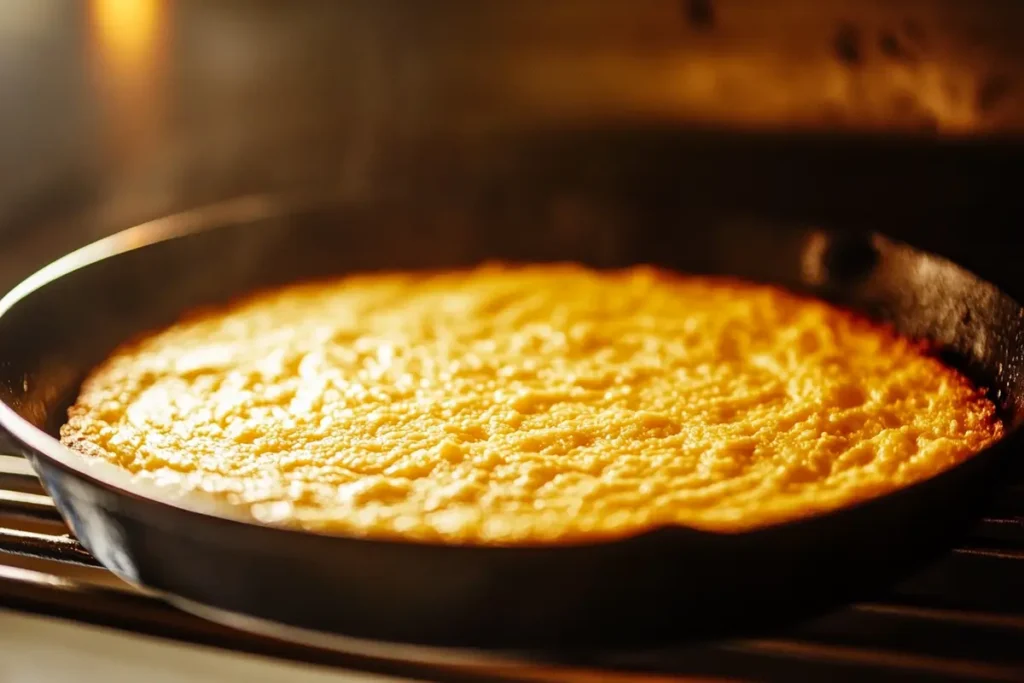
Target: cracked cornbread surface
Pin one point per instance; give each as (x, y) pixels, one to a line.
(523, 404)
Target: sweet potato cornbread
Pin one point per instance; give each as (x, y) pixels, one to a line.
(529, 404)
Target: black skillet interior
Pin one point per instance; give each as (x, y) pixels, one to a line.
(668, 583)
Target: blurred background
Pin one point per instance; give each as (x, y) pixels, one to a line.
(899, 116)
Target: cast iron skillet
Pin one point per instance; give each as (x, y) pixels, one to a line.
(668, 582)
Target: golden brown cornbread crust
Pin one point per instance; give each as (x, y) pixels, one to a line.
(529, 404)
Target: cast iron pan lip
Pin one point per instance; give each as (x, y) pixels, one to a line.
(258, 207)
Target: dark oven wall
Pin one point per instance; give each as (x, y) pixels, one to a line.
(902, 116)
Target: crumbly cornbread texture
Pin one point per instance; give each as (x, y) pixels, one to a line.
(524, 404)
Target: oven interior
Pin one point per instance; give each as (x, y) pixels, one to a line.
(902, 117)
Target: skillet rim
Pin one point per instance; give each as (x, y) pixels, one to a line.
(251, 208)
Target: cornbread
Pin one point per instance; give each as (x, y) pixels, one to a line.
(522, 404)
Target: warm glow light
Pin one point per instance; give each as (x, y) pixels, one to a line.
(126, 30)
(128, 42)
